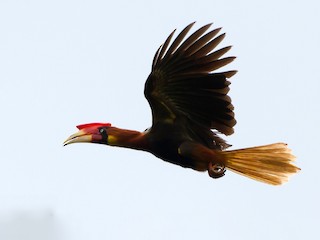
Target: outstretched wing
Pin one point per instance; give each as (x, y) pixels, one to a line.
(182, 84)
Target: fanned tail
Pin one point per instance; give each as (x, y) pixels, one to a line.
(272, 164)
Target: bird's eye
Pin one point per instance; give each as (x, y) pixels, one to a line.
(102, 131)
(104, 135)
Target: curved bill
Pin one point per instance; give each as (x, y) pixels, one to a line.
(80, 136)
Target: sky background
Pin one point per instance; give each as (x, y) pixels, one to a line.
(64, 63)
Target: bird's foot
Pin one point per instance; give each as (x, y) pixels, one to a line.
(216, 170)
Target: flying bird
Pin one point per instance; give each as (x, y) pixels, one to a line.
(190, 109)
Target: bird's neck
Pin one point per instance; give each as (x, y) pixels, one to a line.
(127, 138)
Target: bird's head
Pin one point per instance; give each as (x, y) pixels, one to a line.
(91, 133)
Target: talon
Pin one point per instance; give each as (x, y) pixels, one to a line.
(216, 170)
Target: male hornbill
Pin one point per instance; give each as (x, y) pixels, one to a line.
(188, 100)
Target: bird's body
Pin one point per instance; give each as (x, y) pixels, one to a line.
(188, 100)
(165, 141)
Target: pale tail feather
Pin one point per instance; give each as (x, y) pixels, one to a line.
(271, 164)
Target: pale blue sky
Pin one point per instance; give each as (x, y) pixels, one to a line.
(69, 62)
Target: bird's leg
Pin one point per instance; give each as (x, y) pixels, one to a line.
(204, 158)
(216, 170)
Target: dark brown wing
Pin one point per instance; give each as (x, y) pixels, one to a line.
(182, 84)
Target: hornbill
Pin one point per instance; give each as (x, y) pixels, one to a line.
(190, 107)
